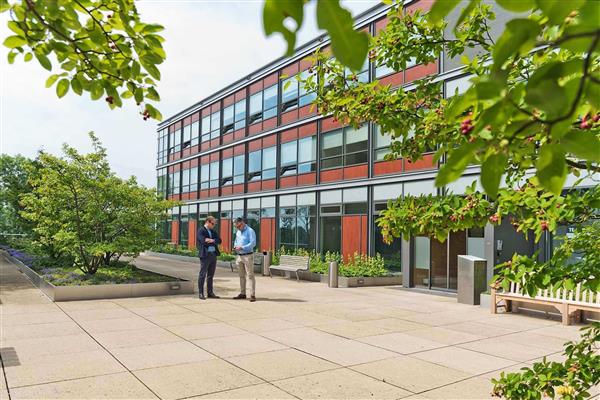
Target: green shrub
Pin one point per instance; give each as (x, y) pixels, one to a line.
(363, 265)
(226, 257)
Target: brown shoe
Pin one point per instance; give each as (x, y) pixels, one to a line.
(239, 297)
(252, 299)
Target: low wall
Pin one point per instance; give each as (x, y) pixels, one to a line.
(111, 291)
(343, 281)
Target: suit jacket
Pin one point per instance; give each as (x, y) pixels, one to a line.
(202, 246)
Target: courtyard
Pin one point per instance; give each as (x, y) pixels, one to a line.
(299, 340)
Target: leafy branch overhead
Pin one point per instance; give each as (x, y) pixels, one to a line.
(96, 46)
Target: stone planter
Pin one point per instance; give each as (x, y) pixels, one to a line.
(484, 300)
(109, 291)
(345, 282)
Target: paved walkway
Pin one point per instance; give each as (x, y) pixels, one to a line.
(300, 340)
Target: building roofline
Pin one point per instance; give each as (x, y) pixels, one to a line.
(366, 16)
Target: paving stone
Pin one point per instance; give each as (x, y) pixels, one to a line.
(230, 346)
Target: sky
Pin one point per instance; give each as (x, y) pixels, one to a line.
(209, 45)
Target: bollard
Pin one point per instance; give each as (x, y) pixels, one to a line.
(333, 274)
(266, 263)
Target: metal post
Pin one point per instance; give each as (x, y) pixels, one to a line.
(333, 274)
(266, 263)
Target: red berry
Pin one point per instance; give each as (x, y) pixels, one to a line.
(544, 225)
(596, 118)
(494, 219)
(109, 99)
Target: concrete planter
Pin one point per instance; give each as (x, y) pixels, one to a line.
(484, 300)
(110, 291)
(345, 282)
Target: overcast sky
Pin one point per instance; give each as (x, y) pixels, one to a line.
(209, 45)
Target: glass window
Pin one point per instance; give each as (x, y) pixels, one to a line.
(361, 76)
(269, 162)
(307, 154)
(238, 169)
(195, 130)
(176, 183)
(177, 140)
(383, 70)
(204, 176)
(475, 242)
(256, 107)
(240, 114)
(422, 261)
(289, 157)
(387, 192)
(228, 115)
(254, 165)
(214, 174)
(187, 136)
(331, 234)
(227, 171)
(355, 145)
(458, 86)
(185, 178)
(194, 179)
(290, 94)
(270, 102)
(215, 124)
(382, 142)
(306, 97)
(206, 128)
(392, 252)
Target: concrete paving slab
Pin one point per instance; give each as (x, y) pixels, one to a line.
(353, 330)
(340, 384)
(473, 388)
(100, 314)
(114, 386)
(34, 318)
(511, 350)
(188, 318)
(281, 364)
(30, 349)
(95, 326)
(187, 380)
(163, 309)
(138, 337)
(160, 355)
(39, 330)
(480, 329)
(264, 324)
(60, 367)
(464, 360)
(203, 331)
(411, 374)
(10, 309)
(401, 343)
(88, 305)
(445, 336)
(237, 345)
(256, 392)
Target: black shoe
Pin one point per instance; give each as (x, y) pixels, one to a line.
(239, 297)
(252, 299)
(201, 296)
(213, 296)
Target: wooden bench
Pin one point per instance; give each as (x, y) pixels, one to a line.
(567, 302)
(258, 261)
(292, 264)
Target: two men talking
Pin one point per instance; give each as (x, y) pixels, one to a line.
(208, 241)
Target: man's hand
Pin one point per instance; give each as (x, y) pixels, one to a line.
(238, 248)
(208, 240)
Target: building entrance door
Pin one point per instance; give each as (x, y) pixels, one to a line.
(435, 263)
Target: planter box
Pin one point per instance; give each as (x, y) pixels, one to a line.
(485, 300)
(110, 291)
(344, 282)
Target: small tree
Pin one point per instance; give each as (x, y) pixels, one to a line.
(82, 209)
(14, 175)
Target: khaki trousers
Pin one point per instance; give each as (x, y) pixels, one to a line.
(245, 266)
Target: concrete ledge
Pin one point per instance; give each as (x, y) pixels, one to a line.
(346, 282)
(110, 291)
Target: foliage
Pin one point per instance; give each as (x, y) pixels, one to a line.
(99, 46)
(524, 110)
(80, 208)
(169, 248)
(569, 380)
(13, 183)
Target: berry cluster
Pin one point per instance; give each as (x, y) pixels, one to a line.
(466, 126)
(587, 122)
(109, 99)
(146, 115)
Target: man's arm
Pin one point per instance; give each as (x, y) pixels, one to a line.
(201, 238)
(250, 246)
(217, 237)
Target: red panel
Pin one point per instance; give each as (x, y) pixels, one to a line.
(379, 25)
(192, 234)
(194, 162)
(185, 196)
(329, 124)
(289, 117)
(253, 186)
(393, 80)
(225, 233)
(357, 171)
(267, 234)
(268, 185)
(177, 125)
(237, 150)
(425, 163)
(254, 145)
(255, 128)
(204, 193)
(186, 152)
(175, 232)
(387, 167)
(363, 234)
(226, 153)
(288, 181)
(176, 167)
(215, 107)
(269, 124)
(214, 156)
(307, 111)
(307, 179)
(185, 165)
(424, 5)
(239, 134)
(421, 71)
(269, 141)
(306, 64)
(195, 149)
(213, 192)
(238, 188)
(289, 135)
(354, 235)
(228, 101)
(270, 80)
(195, 117)
(225, 190)
(256, 87)
(307, 130)
(187, 120)
(227, 138)
(206, 111)
(332, 175)
(204, 146)
(214, 143)
(171, 128)
(290, 70)
(240, 94)
(193, 195)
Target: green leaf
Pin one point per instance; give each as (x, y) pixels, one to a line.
(456, 164)
(152, 70)
(4, 6)
(76, 86)
(440, 9)
(28, 57)
(14, 41)
(582, 144)
(519, 36)
(62, 87)
(465, 12)
(349, 46)
(152, 94)
(51, 79)
(138, 95)
(44, 61)
(275, 12)
(516, 5)
(547, 96)
(557, 10)
(552, 168)
(96, 90)
(491, 173)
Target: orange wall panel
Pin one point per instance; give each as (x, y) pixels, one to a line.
(192, 234)
(267, 234)
(354, 235)
(356, 171)
(425, 163)
(307, 179)
(175, 232)
(288, 181)
(387, 167)
(225, 233)
(332, 175)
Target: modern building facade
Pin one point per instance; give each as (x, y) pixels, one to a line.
(260, 149)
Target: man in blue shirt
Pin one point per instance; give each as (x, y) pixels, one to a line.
(245, 241)
(207, 242)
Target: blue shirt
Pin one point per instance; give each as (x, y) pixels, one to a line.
(246, 239)
(210, 249)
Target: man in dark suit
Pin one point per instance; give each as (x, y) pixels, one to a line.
(208, 242)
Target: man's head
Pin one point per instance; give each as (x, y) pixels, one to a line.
(240, 223)
(210, 222)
